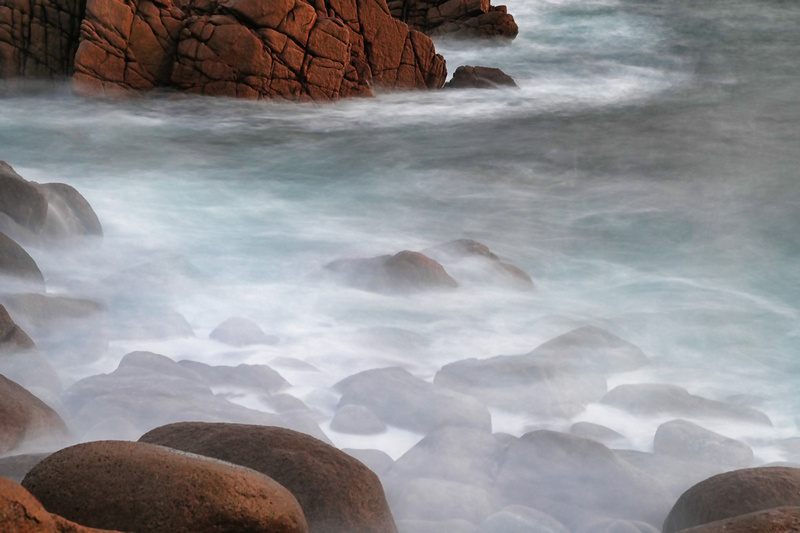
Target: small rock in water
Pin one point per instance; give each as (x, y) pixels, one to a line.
(404, 272)
(398, 398)
(469, 77)
(239, 331)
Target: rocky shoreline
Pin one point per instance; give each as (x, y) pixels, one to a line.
(278, 471)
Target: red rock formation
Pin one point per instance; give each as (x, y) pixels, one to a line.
(456, 18)
(247, 48)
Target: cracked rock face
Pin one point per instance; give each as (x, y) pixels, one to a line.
(296, 49)
(456, 18)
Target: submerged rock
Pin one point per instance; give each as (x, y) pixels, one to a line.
(647, 399)
(239, 331)
(469, 77)
(162, 490)
(470, 261)
(572, 478)
(17, 265)
(12, 337)
(733, 494)
(688, 441)
(400, 399)
(404, 272)
(337, 493)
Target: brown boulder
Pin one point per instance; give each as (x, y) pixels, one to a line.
(25, 420)
(403, 272)
(20, 200)
(456, 18)
(20, 512)
(12, 337)
(338, 494)
(777, 520)
(69, 213)
(162, 491)
(471, 261)
(468, 77)
(733, 494)
(17, 264)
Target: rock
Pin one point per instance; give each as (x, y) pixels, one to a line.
(523, 383)
(521, 519)
(471, 261)
(15, 467)
(611, 525)
(31, 212)
(68, 214)
(239, 331)
(688, 441)
(403, 272)
(148, 390)
(27, 422)
(648, 399)
(402, 400)
(588, 430)
(20, 512)
(777, 520)
(149, 323)
(456, 18)
(239, 48)
(439, 499)
(733, 494)
(469, 77)
(17, 265)
(376, 460)
(337, 493)
(12, 337)
(260, 378)
(69, 330)
(20, 200)
(460, 454)
(557, 379)
(676, 475)
(568, 477)
(356, 419)
(162, 491)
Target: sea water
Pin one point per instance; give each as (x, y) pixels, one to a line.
(644, 173)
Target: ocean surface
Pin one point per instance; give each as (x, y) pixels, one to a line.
(646, 174)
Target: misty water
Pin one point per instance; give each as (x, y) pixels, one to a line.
(645, 175)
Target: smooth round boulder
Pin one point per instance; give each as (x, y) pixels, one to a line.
(469, 77)
(12, 337)
(21, 200)
(338, 494)
(69, 214)
(139, 487)
(684, 440)
(734, 493)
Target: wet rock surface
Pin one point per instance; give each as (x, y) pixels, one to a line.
(469, 77)
(163, 490)
(463, 19)
(338, 494)
(732, 494)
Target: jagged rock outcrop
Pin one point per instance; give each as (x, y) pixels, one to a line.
(456, 18)
(299, 50)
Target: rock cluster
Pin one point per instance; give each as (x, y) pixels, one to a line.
(456, 18)
(236, 48)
